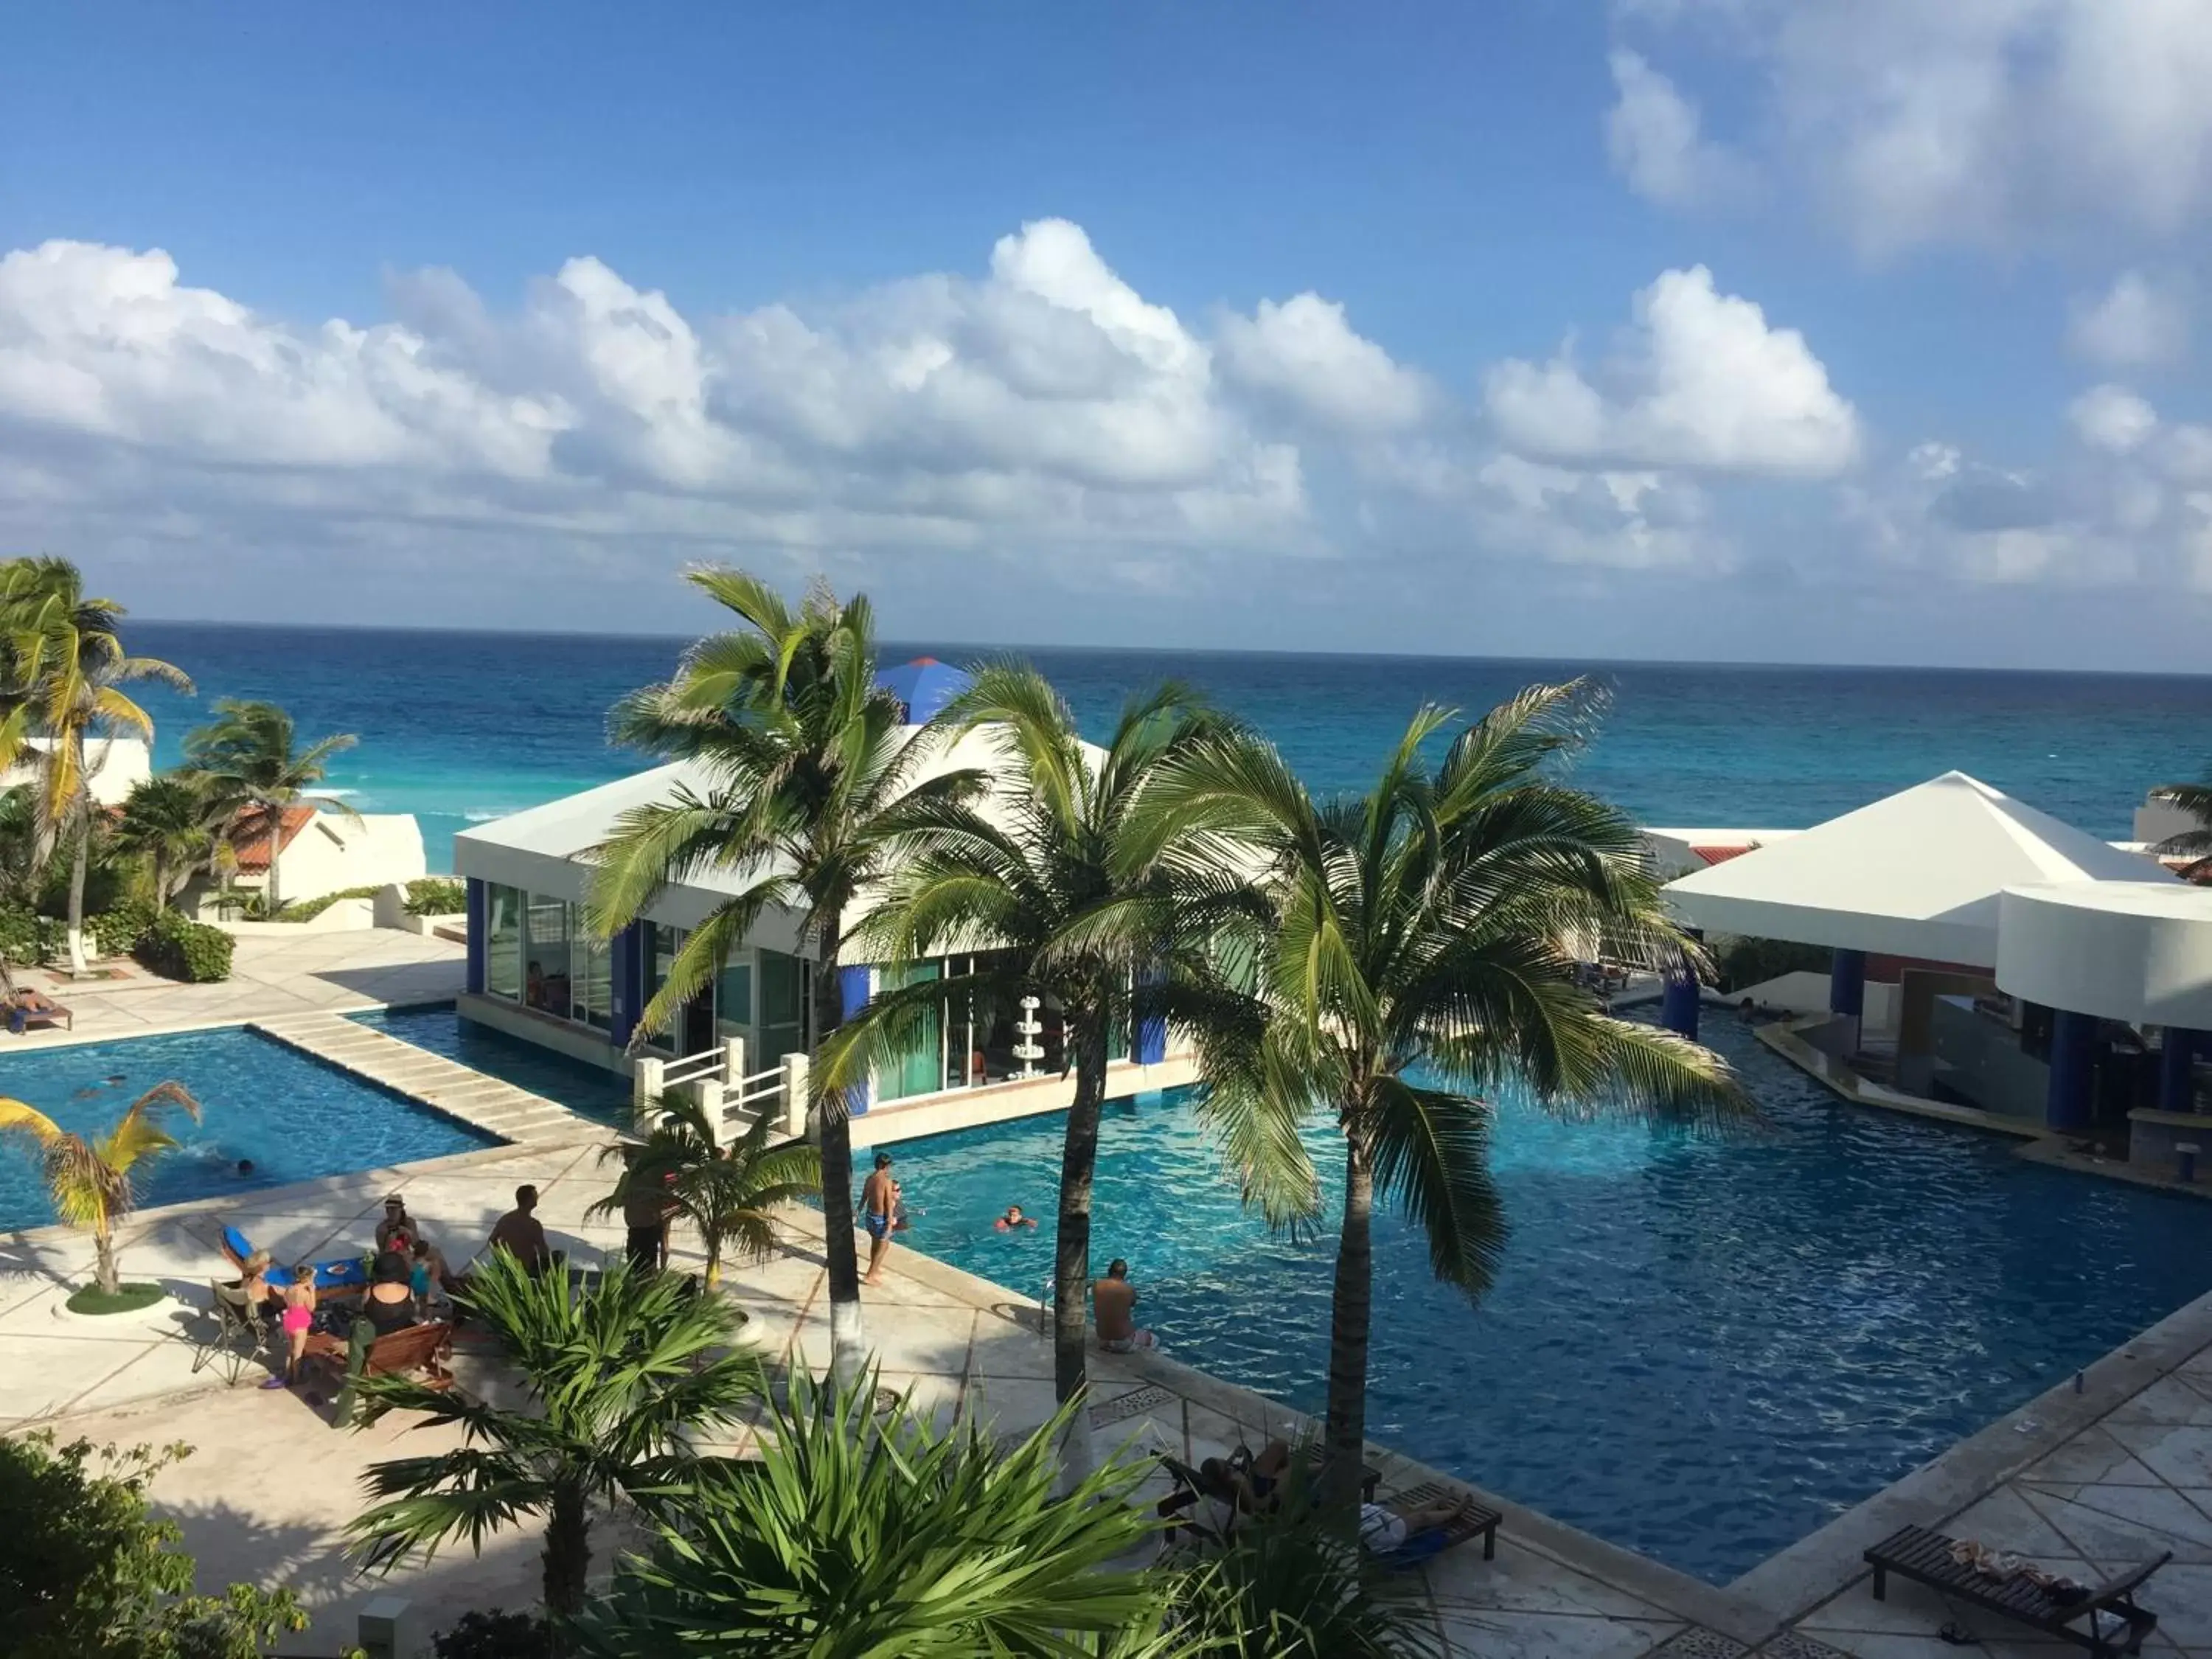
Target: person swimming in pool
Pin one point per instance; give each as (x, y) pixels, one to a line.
(1012, 1220)
(879, 1208)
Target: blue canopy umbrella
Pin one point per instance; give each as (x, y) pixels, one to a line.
(924, 685)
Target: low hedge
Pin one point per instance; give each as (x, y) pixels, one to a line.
(27, 939)
(116, 931)
(177, 947)
(436, 896)
(308, 909)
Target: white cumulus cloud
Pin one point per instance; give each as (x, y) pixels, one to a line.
(1304, 352)
(2135, 324)
(1702, 381)
(1652, 134)
(1976, 120)
(2112, 418)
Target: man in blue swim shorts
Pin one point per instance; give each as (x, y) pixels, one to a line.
(878, 1204)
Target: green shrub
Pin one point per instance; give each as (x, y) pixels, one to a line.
(495, 1635)
(436, 896)
(176, 947)
(115, 930)
(27, 939)
(1744, 961)
(308, 909)
(91, 1570)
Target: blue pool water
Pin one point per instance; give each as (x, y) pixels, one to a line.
(294, 1117)
(580, 1088)
(1700, 1349)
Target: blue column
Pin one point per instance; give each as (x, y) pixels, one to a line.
(2073, 1061)
(853, 987)
(626, 969)
(1151, 1028)
(1678, 1003)
(2176, 1069)
(479, 909)
(1847, 983)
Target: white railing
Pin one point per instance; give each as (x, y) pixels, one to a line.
(732, 1099)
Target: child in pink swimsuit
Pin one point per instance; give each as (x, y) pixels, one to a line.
(299, 1317)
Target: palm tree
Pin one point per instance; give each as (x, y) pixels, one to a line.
(92, 1182)
(1420, 960)
(168, 821)
(249, 749)
(1289, 1584)
(66, 661)
(808, 784)
(2195, 845)
(1088, 904)
(620, 1376)
(859, 1535)
(729, 1194)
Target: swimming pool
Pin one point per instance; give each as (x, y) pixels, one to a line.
(294, 1116)
(1703, 1349)
(581, 1088)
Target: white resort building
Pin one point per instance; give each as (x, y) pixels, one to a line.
(1987, 963)
(536, 972)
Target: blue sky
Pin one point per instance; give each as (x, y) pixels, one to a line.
(1741, 329)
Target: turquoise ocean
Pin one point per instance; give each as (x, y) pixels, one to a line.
(460, 727)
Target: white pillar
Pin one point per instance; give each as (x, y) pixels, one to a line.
(794, 1094)
(734, 1064)
(708, 1093)
(645, 1081)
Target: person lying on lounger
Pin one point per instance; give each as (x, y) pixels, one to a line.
(1421, 1528)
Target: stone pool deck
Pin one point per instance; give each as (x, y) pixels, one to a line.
(333, 972)
(2123, 1468)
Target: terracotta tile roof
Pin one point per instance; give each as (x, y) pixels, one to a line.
(1713, 856)
(251, 839)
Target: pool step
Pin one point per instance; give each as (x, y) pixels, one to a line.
(446, 1085)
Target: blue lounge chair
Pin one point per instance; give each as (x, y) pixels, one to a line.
(343, 1273)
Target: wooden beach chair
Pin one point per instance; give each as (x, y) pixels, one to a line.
(22, 1008)
(1925, 1557)
(1473, 1520)
(418, 1348)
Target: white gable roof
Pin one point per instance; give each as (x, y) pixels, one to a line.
(1915, 874)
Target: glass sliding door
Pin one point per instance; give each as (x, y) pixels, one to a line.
(591, 994)
(733, 1005)
(919, 1068)
(502, 941)
(782, 991)
(546, 978)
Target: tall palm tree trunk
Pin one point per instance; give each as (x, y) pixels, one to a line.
(1351, 1309)
(848, 1337)
(1079, 1165)
(568, 1554)
(273, 898)
(77, 860)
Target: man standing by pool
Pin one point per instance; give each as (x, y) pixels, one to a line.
(878, 1209)
(522, 1234)
(1114, 1306)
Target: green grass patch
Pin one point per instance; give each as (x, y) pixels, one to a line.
(130, 1299)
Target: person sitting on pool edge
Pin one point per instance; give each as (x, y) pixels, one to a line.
(1012, 1218)
(1113, 1307)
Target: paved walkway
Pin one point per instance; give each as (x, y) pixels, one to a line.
(335, 971)
(500, 1109)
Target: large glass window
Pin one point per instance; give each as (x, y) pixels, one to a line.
(502, 941)
(545, 981)
(691, 1030)
(782, 990)
(919, 1068)
(591, 994)
(733, 1003)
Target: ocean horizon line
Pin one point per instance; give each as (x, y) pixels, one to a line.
(984, 648)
